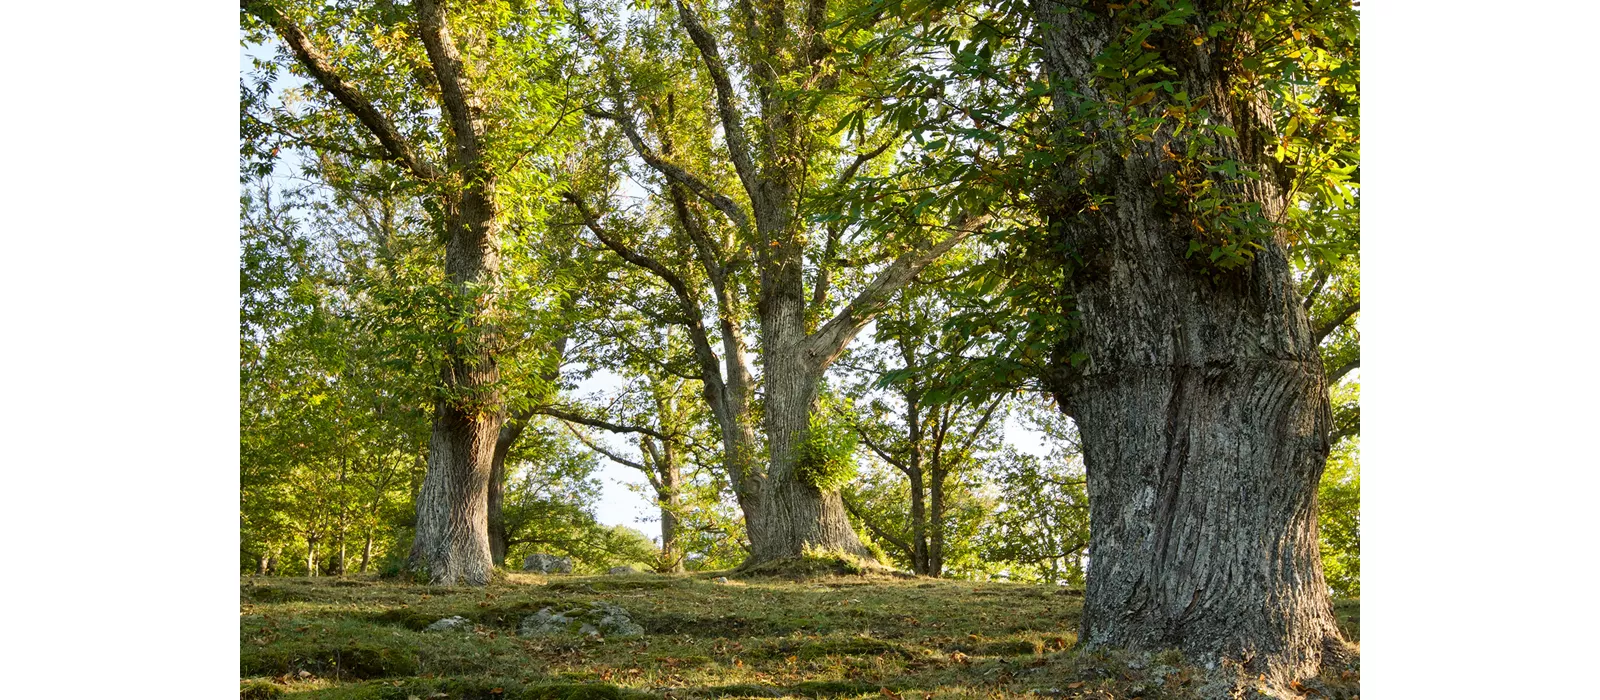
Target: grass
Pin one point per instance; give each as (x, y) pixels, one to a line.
(753, 637)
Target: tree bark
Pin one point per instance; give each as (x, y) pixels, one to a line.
(1202, 408)
(795, 517)
(366, 552)
(497, 486)
(913, 459)
(671, 475)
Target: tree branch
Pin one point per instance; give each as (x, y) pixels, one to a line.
(569, 416)
(727, 109)
(982, 422)
(687, 302)
(461, 106)
(722, 202)
(855, 510)
(609, 455)
(893, 461)
(1350, 428)
(342, 90)
(1336, 375)
(1322, 332)
(830, 339)
(861, 159)
(1317, 281)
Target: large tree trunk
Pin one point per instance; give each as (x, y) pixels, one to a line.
(452, 542)
(795, 517)
(366, 551)
(1202, 408)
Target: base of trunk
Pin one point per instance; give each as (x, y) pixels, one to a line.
(799, 521)
(452, 542)
(1202, 487)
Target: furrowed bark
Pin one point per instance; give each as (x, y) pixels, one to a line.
(1203, 407)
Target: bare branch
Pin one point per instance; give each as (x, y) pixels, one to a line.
(881, 452)
(982, 422)
(342, 90)
(608, 453)
(722, 202)
(572, 417)
(861, 159)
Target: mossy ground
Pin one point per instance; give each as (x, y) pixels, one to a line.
(830, 637)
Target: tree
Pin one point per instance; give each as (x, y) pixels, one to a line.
(475, 162)
(659, 417)
(329, 431)
(927, 430)
(1040, 531)
(791, 73)
(1193, 373)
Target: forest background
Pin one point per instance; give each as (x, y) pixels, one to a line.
(165, 291)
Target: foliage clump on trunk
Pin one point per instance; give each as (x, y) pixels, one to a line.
(827, 457)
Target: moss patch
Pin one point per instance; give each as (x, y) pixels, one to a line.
(814, 635)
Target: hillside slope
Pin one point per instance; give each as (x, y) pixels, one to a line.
(836, 637)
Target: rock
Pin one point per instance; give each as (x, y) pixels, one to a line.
(455, 623)
(546, 623)
(547, 564)
(622, 570)
(600, 619)
(720, 579)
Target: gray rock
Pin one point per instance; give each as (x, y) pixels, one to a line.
(600, 619)
(622, 570)
(455, 623)
(720, 579)
(547, 564)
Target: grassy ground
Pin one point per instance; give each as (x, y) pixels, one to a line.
(836, 637)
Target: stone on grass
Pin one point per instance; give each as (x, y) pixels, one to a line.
(623, 570)
(720, 579)
(600, 619)
(454, 623)
(542, 563)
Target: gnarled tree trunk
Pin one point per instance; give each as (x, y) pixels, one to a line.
(795, 516)
(1202, 408)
